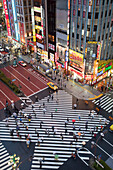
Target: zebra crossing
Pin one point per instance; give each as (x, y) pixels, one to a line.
(51, 143)
(4, 158)
(105, 102)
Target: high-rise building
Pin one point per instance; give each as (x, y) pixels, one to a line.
(91, 30)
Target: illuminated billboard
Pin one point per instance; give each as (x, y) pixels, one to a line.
(7, 18)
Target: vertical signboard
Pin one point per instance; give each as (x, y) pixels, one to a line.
(7, 18)
(98, 51)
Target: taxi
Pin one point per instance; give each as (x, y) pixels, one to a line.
(52, 85)
(111, 128)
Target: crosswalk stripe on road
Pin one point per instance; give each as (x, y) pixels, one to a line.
(52, 143)
(105, 102)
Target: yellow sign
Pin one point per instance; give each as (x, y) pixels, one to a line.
(76, 57)
(92, 42)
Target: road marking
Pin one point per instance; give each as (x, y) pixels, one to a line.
(20, 81)
(38, 91)
(25, 78)
(96, 97)
(5, 95)
(104, 151)
(35, 76)
(107, 142)
(2, 103)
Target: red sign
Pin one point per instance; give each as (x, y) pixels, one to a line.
(39, 36)
(7, 17)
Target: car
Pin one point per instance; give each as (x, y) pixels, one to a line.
(111, 128)
(22, 63)
(52, 85)
(15, 62)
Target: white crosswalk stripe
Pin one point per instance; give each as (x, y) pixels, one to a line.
(105, 102)
(4, 158)
(52, 142)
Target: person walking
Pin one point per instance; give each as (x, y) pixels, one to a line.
(53, 128)
(29, 78)
(40, 124)
(52, 97)
(44, 110)
(51, 115)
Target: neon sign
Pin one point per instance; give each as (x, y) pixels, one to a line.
(7, 18)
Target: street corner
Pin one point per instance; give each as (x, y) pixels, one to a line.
(96, 97)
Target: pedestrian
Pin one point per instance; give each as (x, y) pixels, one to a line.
(65, 124)
(65, 130)
(102, 135)
(48, 99)
(51, 115)
(61, 136)
(27, 142)
(79, 117)
(36, 99)
(77, 101)
(11, 132)
(40, 124)
(39, 106)
(44, 110)
(57, 101)
(40, 164)
(86, 126)
(29, 78)
(53, 128)
(67, 119)
(55, 110)
(52, 97)
(71, 143)
(12, 104)
(6, 103)
(43, 104)
(73, 127)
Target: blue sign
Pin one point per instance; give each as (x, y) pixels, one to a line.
(14, 80)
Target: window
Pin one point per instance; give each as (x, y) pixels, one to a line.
(78, 13)
(95, 27)
(89, 15)
(88, 28)
(29, 2)
(108, 25)
(99, 38)
(84, 14)
(106, 36)
(77, 36)
(104, 26)
(25, 4)
(109, 12)
(96, 15)
(101, 14)
(106, 14)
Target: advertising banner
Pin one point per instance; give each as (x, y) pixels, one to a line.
(7, 18)
(76, 57)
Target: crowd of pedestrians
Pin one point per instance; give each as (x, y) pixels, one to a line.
(23, 120)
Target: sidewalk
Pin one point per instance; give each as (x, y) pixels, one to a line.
(78, 90)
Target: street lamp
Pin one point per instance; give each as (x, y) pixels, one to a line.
(15, 161)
